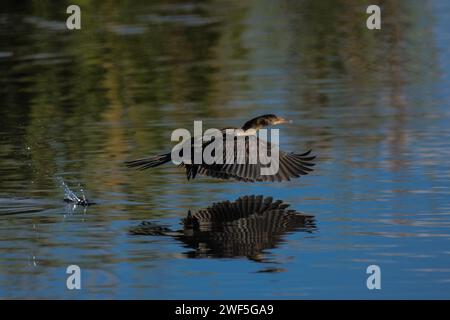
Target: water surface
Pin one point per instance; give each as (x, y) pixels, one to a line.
(373, 106)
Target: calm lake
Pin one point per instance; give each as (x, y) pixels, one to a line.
(373, 105)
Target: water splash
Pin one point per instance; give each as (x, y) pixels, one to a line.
(72, 197)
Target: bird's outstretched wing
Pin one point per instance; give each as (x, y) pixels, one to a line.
(242, 168)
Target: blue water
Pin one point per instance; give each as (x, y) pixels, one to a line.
(373, 106)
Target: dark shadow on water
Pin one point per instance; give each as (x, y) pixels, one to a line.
(243, 228)
(14, 206)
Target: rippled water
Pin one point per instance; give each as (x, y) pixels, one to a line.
(373, 106)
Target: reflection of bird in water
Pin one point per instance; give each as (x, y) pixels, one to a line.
(242, 168)
(244, 227)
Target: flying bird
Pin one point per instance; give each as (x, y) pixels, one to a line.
(290, 164)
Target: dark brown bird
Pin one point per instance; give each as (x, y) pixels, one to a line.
(290, 165)
(245, 227)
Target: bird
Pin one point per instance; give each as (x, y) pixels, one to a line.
(241, 228)
(290, 164)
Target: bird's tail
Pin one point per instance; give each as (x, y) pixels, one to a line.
(150, 162)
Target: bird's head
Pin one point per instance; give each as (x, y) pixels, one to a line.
(264, 121)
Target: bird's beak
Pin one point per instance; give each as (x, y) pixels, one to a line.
(283, 120)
